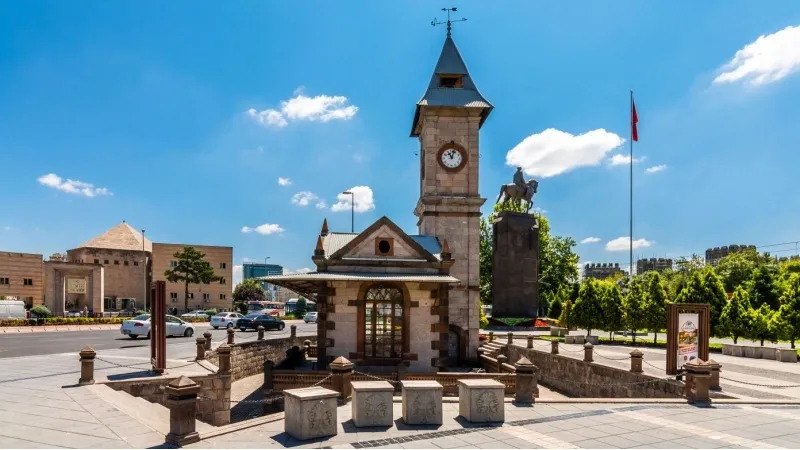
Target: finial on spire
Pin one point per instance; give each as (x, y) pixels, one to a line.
(449, 22)
(324, 231)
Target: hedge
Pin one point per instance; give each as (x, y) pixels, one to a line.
(76, 321)
(713, 347)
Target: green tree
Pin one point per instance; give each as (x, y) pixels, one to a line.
(565, 319)
(738, 267)
(485, 262)
(787, 268)
(634, 313)
(790, 307)
(554, 312)
(655, 304)
(247, 290)
(588, 310)
(763, 287)
(692, 291)
(482, 319)
(715, 296)
(190, 267)
(301, 308)
(612, 308)
(735, 315)
(762, 324)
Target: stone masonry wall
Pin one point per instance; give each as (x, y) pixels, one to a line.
(247, 358)
(591, 380)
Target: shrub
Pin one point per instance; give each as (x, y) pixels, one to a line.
(41, 311)
(140, 312)
(211, 312)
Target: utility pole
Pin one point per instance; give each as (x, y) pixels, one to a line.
(144, 277)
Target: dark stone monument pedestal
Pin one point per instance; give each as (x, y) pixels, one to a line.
(515, 265)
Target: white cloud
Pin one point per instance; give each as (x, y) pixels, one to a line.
(265, 229)
(553, 152)
(321, 204)
(657, 168)
(321, 108)
(590, 240)
(304, 198)
(237, 275)
(284, 181)
(618, 160)
(303, 270)
(71, 186)
(767, 59)
(362, 198)
(623, 243)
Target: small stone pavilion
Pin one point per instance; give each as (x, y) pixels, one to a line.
(385, 297)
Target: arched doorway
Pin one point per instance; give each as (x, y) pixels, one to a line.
(384, 328)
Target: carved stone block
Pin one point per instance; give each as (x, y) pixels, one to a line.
(515, 265)
(372, 403)
(310, 413)
(481, 401)
(422, 402)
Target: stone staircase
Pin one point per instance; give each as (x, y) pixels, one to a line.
(492, 349)
(153, 415)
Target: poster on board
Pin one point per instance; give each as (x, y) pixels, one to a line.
(688, 335)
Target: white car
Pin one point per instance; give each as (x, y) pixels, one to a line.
(225, 319)
(310, 317)
(140, 326)
(198, 314)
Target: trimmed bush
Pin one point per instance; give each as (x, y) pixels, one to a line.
(41, 311)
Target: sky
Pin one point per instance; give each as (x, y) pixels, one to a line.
(240, 123)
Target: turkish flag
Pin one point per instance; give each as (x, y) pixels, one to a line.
(634, 121)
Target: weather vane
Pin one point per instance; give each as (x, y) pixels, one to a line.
(449, 22)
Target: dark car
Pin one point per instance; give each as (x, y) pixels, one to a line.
(252, 321)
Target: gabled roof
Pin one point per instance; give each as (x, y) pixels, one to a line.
(120, 237)
(337, 245)
(451, 63)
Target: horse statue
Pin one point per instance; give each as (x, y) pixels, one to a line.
(517, 193)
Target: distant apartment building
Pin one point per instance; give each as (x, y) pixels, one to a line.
(255, 270)
(22, 277)
(601, 270)
(653, 264)
(216, 295)
(713, 255)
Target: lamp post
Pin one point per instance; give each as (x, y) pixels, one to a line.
(352, 210)
(271, 296)
(144, 276)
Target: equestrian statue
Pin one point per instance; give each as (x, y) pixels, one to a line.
(519, 190)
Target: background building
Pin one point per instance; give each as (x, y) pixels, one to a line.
(713, 255)
(255, 270)
(601, 270)
(22, 277)
(653, 264)
(216, 295)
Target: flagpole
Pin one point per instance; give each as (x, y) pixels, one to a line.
(630, 230)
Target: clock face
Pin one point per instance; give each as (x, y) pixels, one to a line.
(452, 158)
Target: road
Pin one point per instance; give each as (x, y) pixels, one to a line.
(30, 344)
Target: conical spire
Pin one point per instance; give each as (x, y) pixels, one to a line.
(319, 250)
(324, 231)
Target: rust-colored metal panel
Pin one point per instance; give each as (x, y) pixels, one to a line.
(704, 317)
(158, 327)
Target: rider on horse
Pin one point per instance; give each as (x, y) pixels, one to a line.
(519, 180)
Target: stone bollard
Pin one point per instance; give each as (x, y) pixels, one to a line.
(201, 348)
(636, 361)
(182, 404)
(554, 347)
(527, 382)
(491, 336)
(510, 338)
(501, 359)
(87, 355)
(588, 349)
(715, 370)
(224, 354)
(207, 335)
(269, 383)
(231, 335)
(261, 332)
(530, 341)
(698, 379)
(341, 373)
(293, 331)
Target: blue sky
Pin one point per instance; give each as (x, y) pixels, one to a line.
(182, 116)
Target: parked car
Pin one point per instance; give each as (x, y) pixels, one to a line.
(225, 319)
(12, 309)
(196, 314)
(310, 317)
(140, 326)
(252, 321)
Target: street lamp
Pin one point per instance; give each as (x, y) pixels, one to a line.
(352, 210)
(271, 296)
(144, 271)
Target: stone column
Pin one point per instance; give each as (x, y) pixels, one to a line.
(231, 336)
(715, 370)
(510, 338)
(501, 359)
(554, 347)
(527, 383)
(87, 355)
(588, 349)
(261, 332)
(182, 404)
(491, 336)
(201, 348)
(207, 335)
(636, 361)
(269, 383)
(698, 380)
(293, 331)
(530, 341)
(341, 373)
(224, 353)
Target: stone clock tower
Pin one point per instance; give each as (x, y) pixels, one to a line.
(447, 122)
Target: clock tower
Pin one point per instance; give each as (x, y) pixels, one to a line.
(447, 123)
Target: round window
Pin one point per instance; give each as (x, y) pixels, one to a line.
(384, 246)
